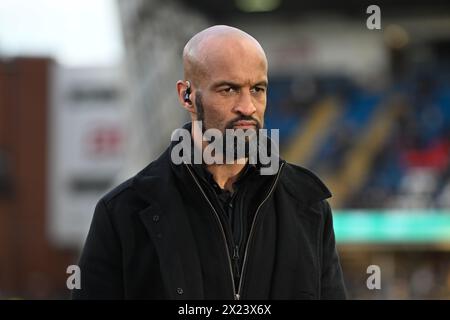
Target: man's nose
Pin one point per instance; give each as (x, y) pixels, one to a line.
(245, 105)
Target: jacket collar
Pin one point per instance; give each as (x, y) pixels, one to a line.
(304, 185)
(156, 180)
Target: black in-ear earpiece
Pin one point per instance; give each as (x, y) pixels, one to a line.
(187, 93)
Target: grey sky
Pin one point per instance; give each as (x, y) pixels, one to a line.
(75, 32)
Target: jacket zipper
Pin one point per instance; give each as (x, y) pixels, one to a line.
(236, 260)
(237, 241)
(235, 295)
(241, 279)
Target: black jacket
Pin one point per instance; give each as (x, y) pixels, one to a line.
(156, 236)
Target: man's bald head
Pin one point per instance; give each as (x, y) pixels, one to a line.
(209, 46)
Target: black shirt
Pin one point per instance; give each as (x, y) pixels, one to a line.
(232, 208)
(227, 199)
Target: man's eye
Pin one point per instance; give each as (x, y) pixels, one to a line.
(229, 90)
(258, 89)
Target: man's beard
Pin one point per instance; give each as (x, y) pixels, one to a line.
(230, 132)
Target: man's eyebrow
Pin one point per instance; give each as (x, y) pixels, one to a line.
(237, 85)
(225, 83)
(262, 83)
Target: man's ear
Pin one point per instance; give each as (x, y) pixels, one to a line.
(184, 95)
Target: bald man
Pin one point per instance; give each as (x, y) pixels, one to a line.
(187, 229)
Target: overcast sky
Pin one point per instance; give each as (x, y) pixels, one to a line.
(75, 32)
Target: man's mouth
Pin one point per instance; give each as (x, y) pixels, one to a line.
(244, 124)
